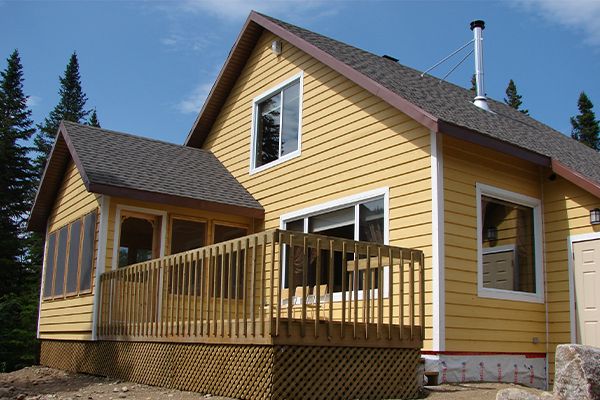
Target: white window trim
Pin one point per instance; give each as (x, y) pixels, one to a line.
(337, 204)
(117, 231)
(517, 198)
(298, 77)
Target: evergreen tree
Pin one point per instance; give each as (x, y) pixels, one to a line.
(585, 126)
(71, 107)
(16, 175)
(19, 277)
(513, 98)
(93, 121)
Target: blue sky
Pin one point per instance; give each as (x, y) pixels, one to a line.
(147, 66)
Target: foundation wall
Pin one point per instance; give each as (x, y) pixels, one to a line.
(247, 371)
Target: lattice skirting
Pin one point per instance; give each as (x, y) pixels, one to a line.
(247, 371)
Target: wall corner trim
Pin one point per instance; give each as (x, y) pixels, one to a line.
(438, 243)
(100, 260)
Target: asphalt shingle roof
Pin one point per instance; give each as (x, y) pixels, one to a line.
(133, 162)
(453, 104)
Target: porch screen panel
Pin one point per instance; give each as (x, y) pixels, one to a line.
(61, 260)
(49, 272)
(87, 251)
(74, 238)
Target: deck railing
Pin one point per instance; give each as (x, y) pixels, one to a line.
(271, 287)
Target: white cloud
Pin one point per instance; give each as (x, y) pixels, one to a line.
(33, 101)
(578, 15)
(194, 101)
(239, 9)
(182, 42)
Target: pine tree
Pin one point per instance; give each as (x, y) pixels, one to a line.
(585, 125)
(93, 121)
(19, 277)
(71, 107)
(513, 98)
(16, 175)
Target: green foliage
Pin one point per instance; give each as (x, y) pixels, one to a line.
(513, 98)
(71, 107)
(585, 126)
(19, 265)
(93, 121)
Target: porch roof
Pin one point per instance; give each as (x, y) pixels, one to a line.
(124, 165)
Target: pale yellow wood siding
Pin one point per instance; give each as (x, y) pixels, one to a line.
(71, 317)
(566, 213)
(352, 142)
(474, 323)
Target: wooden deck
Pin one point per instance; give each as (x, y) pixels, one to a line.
(237, 292)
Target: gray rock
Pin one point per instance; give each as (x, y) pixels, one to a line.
(515, 394)
(21, 396)
(577, 375)
(4, 392)
(122, 395)
(124, 389)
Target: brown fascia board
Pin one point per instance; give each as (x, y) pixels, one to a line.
(161, 198)
(576, 178)
(478, 138)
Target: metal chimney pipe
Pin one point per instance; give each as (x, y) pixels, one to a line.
(480, 100)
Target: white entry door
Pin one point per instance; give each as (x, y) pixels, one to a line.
(587, 291)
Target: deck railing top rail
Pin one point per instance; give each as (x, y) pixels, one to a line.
(275, 286)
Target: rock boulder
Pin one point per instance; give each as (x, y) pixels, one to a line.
(577, 374)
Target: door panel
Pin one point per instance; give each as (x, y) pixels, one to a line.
(587, 284)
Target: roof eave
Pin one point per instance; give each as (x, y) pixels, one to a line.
(576, 178)
(162, 198)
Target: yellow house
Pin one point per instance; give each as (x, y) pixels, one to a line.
(329, 206)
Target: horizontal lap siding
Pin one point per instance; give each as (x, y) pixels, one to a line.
(474, 323)
(352, 142)
(566, 213)
(70, 318)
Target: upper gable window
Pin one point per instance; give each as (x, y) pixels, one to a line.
(276, 130)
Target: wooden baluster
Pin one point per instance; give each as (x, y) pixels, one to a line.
(245, 288)
(318, 287)
(188, 264)
(401, 294)
(174, 298)
(237, 287)
(411, 298)
(229, 288)
(304, 285)
(164, 305)
(128, 301)
(344, 288)
(263, 273)
(202, 284)
(391, 293)
(355, 285)
(136, 300)
(272, 282)
(222, 294)
(253, 288)
(215, 283)
(330, 288)
(179, 290)
(366, 293)
(291, 286)
(279, 284)
(379, 293)
(422, 294)
(194, 267)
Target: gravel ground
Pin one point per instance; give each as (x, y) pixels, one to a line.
(41, 383)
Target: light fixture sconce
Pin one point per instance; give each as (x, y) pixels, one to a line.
(276, 47)
(491, 234)
(595, 216)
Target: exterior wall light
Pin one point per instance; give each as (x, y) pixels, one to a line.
(276, 47)
(595, 216)
(491, 233)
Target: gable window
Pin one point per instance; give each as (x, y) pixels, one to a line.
(363, 218)
(276, 130)
(69, 258)
(509, 245)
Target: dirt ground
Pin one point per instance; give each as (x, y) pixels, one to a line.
(41, 383)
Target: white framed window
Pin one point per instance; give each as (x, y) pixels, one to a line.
(276, 124)
(509, 245)
(362, 217)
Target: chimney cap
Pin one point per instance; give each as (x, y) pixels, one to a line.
(478, 24)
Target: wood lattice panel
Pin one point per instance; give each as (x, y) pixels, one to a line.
(247, 371)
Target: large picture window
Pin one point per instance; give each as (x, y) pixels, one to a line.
(508, 245)
(355, 219)
(69, 258)
(276, 130)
